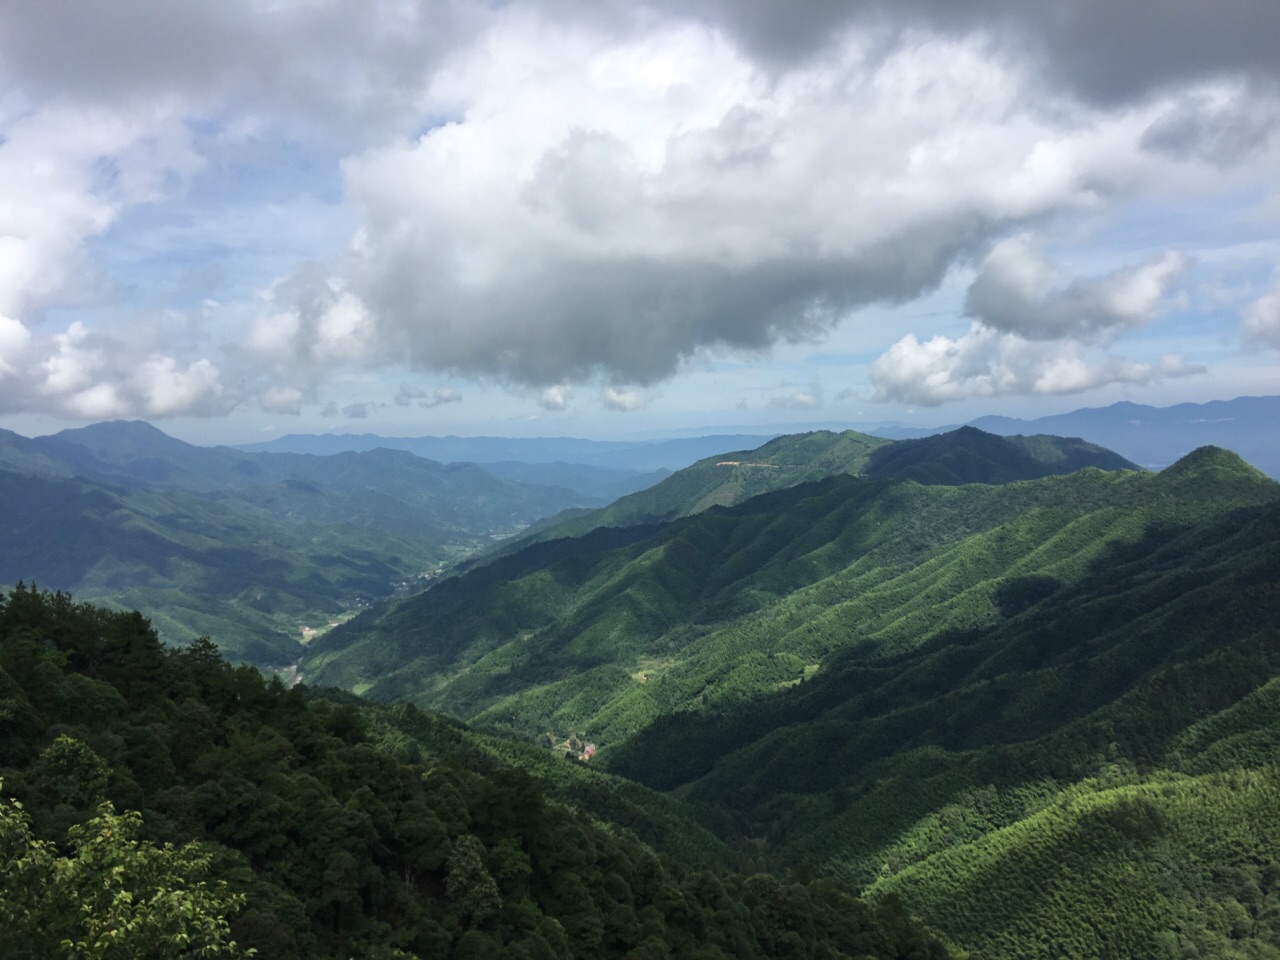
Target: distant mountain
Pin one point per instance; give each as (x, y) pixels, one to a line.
(600, 484)
(642, 455)
(969, 455)
(198, 566)
(966, 455)
(556, 634)
(248, 546)
(1157, 436)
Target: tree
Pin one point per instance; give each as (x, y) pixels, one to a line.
(114, 896)
(469, 885)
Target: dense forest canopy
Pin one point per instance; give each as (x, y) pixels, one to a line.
(166, 803)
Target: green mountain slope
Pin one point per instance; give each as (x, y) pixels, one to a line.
(1045, 714)
(968, 455)
(609, 631)
(331, 831)
(247, 547)
(199, 566)
(961, 456)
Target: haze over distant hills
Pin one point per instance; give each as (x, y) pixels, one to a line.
(1157, 436)
(1152, 437)
(261, 549)
(645, 455)
(250, 547)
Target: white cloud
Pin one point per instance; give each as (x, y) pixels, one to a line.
(99, 402)
(1262, 319)
(807, 399)
(987, 363)
(282, 400)
(656, 197)
(83, 375)
(66, 173)
(14, 338)
(426, 398)
(164, 390)
(555, 398)
(557, 194)
(625, 401)
(1019, 291)
(73, 364)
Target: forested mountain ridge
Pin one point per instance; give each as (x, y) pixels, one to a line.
(1106, 750)
(965, 455)
(606, 632)
(1015, 706)
(202, 566)
(252, 548)
(309, 828)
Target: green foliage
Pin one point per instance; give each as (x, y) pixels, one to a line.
(113, 896)
(606, 634)
(246, 547)
(353, 830)
(1015, 706)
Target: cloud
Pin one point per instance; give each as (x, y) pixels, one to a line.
(426, 398)
(312, 318)
(1262, 319)
(359, 411)
(340, 68)
(1105, 53)
(656, 198)
(807, 399)
(550, 194)
(282, 400)
(555, 398)
(1222, 127)
(985, 362)
(1018, 291)
(14, 338)
(84, 375)
(625, 401)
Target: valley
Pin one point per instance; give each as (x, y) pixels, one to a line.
(958, 691)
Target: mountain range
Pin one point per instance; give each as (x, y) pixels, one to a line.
(1018, 693)
(250, 547)
(1013, 705)
(1152, 437)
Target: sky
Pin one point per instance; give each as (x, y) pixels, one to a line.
(248, 218)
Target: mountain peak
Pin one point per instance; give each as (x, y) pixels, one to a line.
(114, 428)
(1213, 465)
(1205, 458)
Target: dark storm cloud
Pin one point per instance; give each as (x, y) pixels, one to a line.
(1106, 51)
(321, 65)
(636, 319)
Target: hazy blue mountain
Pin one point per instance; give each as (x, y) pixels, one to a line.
(601, 483)
(197, 566)
(1155, 437)
(251, 546)
(645, 455)
(136, 454)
